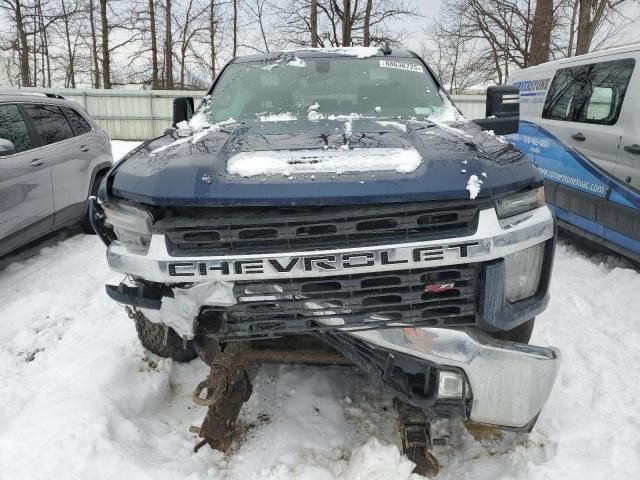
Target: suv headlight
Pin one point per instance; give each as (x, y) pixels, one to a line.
(522, 272)
(520, 202)
(131, 225)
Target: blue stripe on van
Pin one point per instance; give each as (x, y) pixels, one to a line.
(564, 165)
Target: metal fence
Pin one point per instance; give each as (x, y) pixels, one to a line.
(142, 114)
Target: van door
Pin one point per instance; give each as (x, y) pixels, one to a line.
(623, 226)
(26, 194)
(589, 108)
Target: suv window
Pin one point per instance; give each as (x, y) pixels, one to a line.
(78, 122)
(13, 128)
(50, 122)
(589, 93)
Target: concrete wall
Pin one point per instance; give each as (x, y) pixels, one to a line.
(144, 114)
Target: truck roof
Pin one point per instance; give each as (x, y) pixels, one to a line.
(355, 52)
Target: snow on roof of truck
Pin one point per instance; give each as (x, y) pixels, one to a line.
(304, 52)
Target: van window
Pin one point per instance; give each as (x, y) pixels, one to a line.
(589, 93)
(80, 125)
(50, 122)
(13, 128)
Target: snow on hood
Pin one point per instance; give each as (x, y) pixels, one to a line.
(289, 162)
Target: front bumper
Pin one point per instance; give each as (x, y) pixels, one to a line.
(507, 383)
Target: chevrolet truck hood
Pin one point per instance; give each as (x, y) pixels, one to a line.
(194, 170)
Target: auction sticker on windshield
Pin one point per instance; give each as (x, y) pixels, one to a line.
(412, 67)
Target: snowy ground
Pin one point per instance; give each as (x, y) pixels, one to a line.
(80, 398)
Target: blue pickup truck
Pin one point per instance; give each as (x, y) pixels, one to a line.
(338, 197)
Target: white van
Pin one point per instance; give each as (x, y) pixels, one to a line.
(580, 125)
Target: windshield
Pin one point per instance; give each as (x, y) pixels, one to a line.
(292, 88)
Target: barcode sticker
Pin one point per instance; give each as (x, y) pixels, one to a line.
(412, 67)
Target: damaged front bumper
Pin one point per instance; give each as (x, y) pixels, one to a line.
(503, 384)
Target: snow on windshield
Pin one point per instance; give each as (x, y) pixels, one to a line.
(277, 117)
(289, 162)
(194, 130)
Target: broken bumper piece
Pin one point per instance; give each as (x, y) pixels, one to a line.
(458, 373)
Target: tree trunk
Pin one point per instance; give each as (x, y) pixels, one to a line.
(212, 38)
(235, 28)
(367, 23)
(70, 70)
(155, 84)
(572, 27)
(106, 55)
(541, 33)
(314, 23)
(94, 47)
(168, 48)
(584, 21)
(346, 23)
(25, 74)
(591, 15)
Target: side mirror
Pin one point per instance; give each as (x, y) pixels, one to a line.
(182, 110)
(502, 111)
(6, 147)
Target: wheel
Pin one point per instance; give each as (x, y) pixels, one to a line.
(521, 334)
(85, 223)
(163, 340)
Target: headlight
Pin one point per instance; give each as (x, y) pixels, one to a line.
(522, 272)
(521, 202)
(131, 225)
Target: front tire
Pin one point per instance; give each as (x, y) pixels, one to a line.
(85, 223)
(163, 340)
(520, 334)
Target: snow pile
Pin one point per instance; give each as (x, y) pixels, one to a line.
(473, 185)
(313, 115)
(448, 114)
(277, 117)
(297, 62)
(398, 125)
(288, 162)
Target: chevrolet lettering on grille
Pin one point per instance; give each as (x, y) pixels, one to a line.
(327, 264)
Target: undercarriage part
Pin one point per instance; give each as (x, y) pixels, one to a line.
(227, 387)
(415, 431)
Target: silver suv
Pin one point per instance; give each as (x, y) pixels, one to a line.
(52, 157)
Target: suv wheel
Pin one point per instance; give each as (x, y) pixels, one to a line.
(163, 340)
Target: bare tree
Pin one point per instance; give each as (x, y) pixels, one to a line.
(168, 46)
(591, 17)
(155, 79)
(13, 9)
(94, 46)
(541, 32)
(314, 23)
